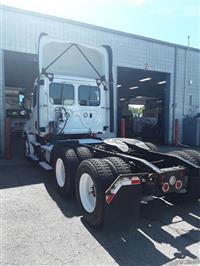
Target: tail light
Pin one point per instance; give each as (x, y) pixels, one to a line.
(178, 184)
(136, 181)
(165, 187)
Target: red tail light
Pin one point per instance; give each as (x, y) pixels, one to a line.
(165, 187)
(178, 184)
(135, 181)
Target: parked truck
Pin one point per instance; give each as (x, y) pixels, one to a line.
(69, 129)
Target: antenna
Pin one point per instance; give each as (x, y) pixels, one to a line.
(188, 41)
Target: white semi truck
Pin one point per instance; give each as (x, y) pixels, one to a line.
(72, 115)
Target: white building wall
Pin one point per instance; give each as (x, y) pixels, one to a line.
(21, 30)
(2, 102)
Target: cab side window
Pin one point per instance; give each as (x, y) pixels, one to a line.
(61, 93)
(88, 95)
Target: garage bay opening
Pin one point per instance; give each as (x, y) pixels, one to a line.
(20, 73)
(143, 104)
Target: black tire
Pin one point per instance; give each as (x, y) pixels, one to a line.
(102, 178)
(195, 154)
(193, 191)
(117, 166)
(152, 146)
(83, 153)
(193, 187)
(186, 156)
(70, 161)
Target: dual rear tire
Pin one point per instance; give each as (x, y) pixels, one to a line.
(193, 191)
(94, 177)
(76, 170)
(189, 155)
(66, 164)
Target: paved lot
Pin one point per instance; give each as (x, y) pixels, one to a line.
(38, 227)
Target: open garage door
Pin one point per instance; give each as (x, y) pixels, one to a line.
(20, 74)
(143, 101)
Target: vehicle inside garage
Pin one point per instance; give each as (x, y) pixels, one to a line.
(142, 104)
(20, 73)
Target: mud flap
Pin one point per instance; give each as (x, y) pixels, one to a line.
(122, 214)
(194, 187)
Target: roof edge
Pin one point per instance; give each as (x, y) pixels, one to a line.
(91, 26)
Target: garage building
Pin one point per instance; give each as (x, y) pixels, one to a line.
(155, 82)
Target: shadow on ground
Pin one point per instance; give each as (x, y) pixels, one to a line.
(157, 238)
(149, 242)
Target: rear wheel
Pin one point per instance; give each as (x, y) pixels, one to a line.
(93, 178)
(152, 146)
(83, 153)
(65, 167)
(195, 154)
(117, 166)
(88, 192)
(188, 157)
(193, 182)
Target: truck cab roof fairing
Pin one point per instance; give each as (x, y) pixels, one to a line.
(72, 61)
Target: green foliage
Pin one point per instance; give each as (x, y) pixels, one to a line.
(136, 111)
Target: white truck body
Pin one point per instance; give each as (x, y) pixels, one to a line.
(75, 88)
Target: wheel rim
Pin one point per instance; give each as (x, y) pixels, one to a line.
(87, 192)
(60, 172)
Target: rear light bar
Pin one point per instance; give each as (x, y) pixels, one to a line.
(173, 179)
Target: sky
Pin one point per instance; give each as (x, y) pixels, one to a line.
(167, 20)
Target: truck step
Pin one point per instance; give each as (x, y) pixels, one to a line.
(46, 166)
(33, 157)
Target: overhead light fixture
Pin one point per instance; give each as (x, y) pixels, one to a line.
(122, 99)
(139, 97)
(132, 88)
(142, 80)
(162, 82)
(119, 85)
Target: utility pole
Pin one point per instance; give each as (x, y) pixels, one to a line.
(186, 73)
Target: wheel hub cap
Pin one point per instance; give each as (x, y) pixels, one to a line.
(60, 172)
(87, 192)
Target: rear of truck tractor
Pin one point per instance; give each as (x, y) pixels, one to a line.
(110, 181)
